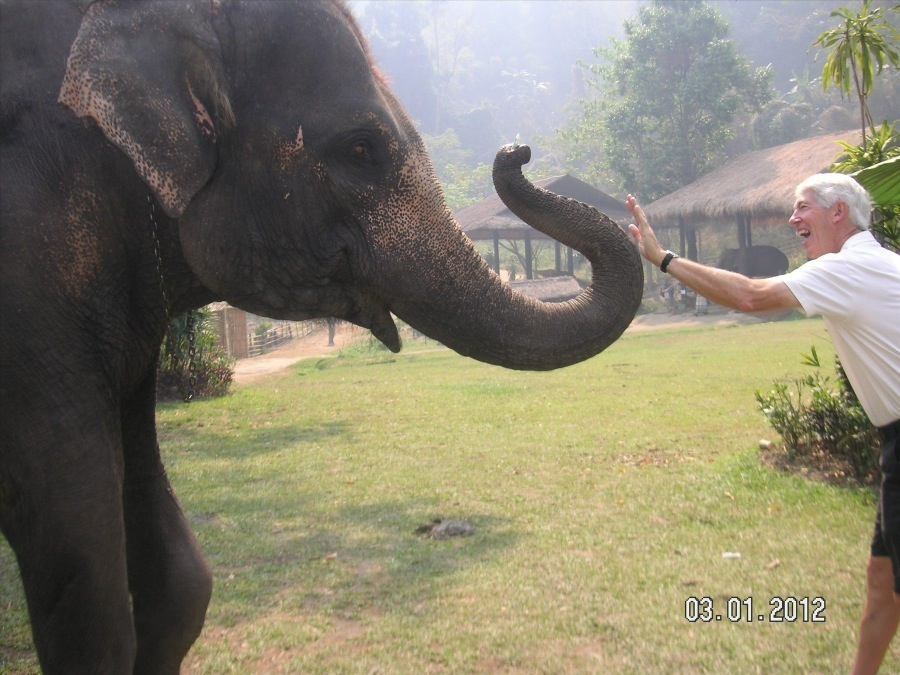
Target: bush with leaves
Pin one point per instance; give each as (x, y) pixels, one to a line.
(813, 414)
(213, 368)
(876, 166)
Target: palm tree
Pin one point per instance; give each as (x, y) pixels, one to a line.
(860, 48)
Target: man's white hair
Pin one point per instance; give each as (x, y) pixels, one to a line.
(829, 188)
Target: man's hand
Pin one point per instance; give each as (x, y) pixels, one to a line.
(646, 241)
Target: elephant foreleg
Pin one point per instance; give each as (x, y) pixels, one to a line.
(62, 514)
(169, 580)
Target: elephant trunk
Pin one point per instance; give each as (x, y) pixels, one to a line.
(471, 310)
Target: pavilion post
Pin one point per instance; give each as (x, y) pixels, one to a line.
(496, 252)
(529, 271)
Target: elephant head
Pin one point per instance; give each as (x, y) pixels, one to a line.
(301, 188)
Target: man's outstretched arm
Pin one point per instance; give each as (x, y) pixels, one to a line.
(729, 289)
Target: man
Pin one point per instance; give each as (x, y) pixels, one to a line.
(854, 284)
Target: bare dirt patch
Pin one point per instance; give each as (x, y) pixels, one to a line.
(816, 466)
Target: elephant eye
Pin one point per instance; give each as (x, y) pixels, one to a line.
(362, 150)
(362, 154)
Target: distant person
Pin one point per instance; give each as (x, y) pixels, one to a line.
(854, 284)
(683, 297)
(701, 306)
(668, 293)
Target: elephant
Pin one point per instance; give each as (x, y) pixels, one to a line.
(754, 261)
(159, 156)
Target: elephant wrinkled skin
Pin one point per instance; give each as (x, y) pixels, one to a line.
(157, 156)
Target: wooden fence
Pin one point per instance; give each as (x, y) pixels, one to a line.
(240, 334)
(278, 334)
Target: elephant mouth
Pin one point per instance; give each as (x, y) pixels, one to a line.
(370, 311)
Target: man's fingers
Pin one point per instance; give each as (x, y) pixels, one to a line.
(640, 217)
(635, 231)
(636, 210)
(630, 203)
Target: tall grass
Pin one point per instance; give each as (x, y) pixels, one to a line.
(604, 495)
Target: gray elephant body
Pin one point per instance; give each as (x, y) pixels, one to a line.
(754, 261)
(158, 156)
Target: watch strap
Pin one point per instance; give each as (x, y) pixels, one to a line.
(669, 257)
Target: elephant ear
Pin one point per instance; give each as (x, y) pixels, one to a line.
(150, 76)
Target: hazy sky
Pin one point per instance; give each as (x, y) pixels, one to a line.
(518, 57)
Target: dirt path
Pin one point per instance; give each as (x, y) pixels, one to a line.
(722, 317)
(316, 344)
(312, 345)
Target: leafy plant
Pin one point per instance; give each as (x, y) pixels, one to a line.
(874, 165)
(813, 415)
(860, 48)
(213, 369)
(882, 180)
(881, 146)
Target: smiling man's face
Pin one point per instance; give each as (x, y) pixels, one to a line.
(818, 225)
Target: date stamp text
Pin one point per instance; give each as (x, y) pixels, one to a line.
(745, 610)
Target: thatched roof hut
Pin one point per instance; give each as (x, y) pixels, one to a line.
(489, 219)
(756, 185)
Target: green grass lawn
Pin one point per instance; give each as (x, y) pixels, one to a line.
(604, 495)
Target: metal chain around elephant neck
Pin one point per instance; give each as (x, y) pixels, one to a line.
(171, 347)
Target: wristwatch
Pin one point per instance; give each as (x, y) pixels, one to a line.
(669, 257)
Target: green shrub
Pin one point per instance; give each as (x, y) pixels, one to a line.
(213, 368)
(813, 415)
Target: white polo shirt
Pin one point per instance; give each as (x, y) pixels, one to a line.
(857, 293)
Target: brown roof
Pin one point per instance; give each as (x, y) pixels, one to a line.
(758, 184)
(482, 220)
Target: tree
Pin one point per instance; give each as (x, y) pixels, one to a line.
(669, 93)
(860, 48)
(782, 122)
(462, 184)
